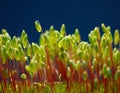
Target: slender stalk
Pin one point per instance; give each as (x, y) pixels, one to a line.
(87, 89)
(119, 85)
(49, 68)
(105, 85)
(71, 78)
(3, 89)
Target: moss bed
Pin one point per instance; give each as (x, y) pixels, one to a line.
(60, 62)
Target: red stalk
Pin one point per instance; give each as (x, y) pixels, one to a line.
(86, 86)
(112, 67)
(79, 77)
(105, 85)
(3, 89)
(39, 75)
(119, 85)
(49, 70)
(92, 80)
(71, 77)
(62, 70)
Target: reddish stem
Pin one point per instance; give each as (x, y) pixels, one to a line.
(3, 89)
(86, 86)
(105, 85)
(119, 85)
(49, 68)
(71, 78)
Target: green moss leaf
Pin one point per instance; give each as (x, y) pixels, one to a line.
(35, 48)
(77, 35)
(62, 30)
(97, 33)
(29, 50)
(25, 41)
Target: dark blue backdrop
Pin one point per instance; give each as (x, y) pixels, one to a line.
(82, 14)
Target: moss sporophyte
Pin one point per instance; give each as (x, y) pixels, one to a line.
(60, 63)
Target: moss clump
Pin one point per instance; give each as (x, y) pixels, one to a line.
(60, 62)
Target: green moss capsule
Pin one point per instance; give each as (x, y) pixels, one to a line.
(104, 28)
(90, 38)
(38, 26)
(17, 54)
(94, 62)
(10, 52)
(110, 37)
(116, 37)
(68, 71)
(117, 74)
(97, 33)
(23, 76)
(106, 52)
(62, 30)
(35, 48)
(29, 50)
(116, 56)
(106, 71)
(23, 34)
(85, 75)
(25, 41)
(0, 39)
(51, 29)
(78, 65)
(3, 53)
(21, 51)
(72, 63)
(77, 35)
(28, 69)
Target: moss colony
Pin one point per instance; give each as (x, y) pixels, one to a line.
(60, 63)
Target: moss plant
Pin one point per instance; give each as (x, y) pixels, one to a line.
(60, 62)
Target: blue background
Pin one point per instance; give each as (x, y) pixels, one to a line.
(82, 14)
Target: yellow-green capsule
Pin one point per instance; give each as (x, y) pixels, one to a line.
(85, 75)
(77, 35)
(116, 37)
(23, 76)
(38, 26)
